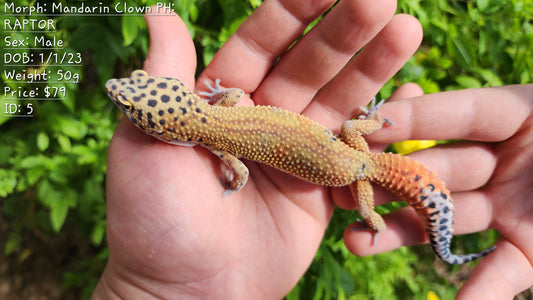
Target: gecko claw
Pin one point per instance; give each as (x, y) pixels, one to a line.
(372, 111)
(367, 228)
(212, 90)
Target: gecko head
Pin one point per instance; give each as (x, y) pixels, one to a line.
(125, 91)
(159, 106)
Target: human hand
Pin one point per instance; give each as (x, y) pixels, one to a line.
(169, 231)
(490, 177)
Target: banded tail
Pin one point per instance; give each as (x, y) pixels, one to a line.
(423, 191)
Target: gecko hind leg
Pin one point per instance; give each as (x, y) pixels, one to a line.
(364, 197)
(352, 132)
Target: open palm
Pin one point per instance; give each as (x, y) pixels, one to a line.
(167, 221)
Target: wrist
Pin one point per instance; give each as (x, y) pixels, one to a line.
(116, 284)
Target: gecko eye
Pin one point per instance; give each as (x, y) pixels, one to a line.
(123, 102)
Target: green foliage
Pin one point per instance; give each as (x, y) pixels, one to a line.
(469, 44)
(52, 167)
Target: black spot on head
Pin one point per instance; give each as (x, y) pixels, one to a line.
(422, 197)
(122, 82)
(443, 195)
(151, 124)
(444, 220)
(175, 119)
(131, 81)
(142, 127)
(138, 80)
(152, 103)
(133, 120)
(431, 215)
(333, 138)
(175, 88)
(446, 209)
(136, 98)
(184, 94)
(143, 95)
(171, 110)
(417, 178)
(443, 228)
(432, 205)
(140, 114)
(149, 115)
(182, 123)
(431, 187)
(200, 140)
(178, 98)
(132, 90)
(171, 129)
(150, 80)
(198, 110)
(183, 110)
(443, 239)
(204, 120)
(161, 112)
(153, 92)
(162, 122)
(142, 86)
(113, 86)
(162, 85)
(140, 74)
(165, 98)
(189, 103)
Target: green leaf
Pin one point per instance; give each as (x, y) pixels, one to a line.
(491, 77)
(8, 182)
(42, 141)
(13, 243)
(34, 174)
(64, 143)
(70, 127)
(57, 200)
(98, 233)
(58, 213)
(37, 161)
(130, 29)
(468, 82)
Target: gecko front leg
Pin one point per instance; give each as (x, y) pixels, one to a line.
(237, 173)
(221, 96)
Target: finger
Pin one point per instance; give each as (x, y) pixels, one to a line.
(486, 114)
(408, 90)
(501, 275)
(364, 75)
(250, 52)
(473, 213)
(323, 52)
(171, 51)
(462, 167)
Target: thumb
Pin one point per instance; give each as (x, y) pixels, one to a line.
(171, 52)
